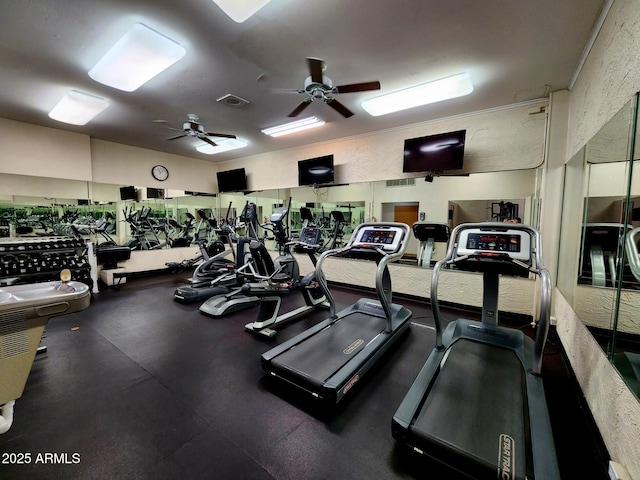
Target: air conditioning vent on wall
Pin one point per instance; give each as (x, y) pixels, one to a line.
(401, 182)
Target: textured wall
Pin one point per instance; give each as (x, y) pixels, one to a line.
(503, 139)
(615, 409)
(595, 305)
(516, 294)
(609, 78)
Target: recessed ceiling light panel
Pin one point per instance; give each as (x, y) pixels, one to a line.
(222, 146)
(240, 10)
(140, 55)
(293, 127)
(77, 108)
(423, 94)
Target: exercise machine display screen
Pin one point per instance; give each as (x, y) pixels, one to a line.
(310, 236)
(516, 244)
(495, 241)
(388, 239)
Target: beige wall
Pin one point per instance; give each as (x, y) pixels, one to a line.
(609, 78)
(43, 152)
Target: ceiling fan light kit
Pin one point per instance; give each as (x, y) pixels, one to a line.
(423, 94)
(318, 86)
(77, 108)
(196, 130)
(141, 54)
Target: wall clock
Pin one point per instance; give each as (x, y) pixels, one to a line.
(160, 173)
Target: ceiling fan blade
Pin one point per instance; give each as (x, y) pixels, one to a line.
(210, 142)
(298, 110)
(358, 87)
(284, 90)
(175, 138)
(340, 108)
(315, 68)
(223, 135)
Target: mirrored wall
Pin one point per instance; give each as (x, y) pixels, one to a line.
(599, 266)
(99, 211)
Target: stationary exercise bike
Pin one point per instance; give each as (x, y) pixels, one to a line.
(271, 290)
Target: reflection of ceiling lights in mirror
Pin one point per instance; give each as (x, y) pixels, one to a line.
(140, 55)
(292, 127)
(223, 146)
(423, 94)
(240, 10)
(77, 108)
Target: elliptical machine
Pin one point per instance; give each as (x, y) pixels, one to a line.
(271, 290)
(284, 266)
(214, 276)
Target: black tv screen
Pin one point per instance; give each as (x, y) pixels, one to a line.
(128, 193)
(232, 180)
(433, 153)
(155, 192)
(316, 171)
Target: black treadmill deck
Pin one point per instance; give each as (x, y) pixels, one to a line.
(328, 359)
(476, 410)
(329, 350)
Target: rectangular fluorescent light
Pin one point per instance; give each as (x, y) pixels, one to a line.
(292, 127)
(140, 55)
(77, 108)
(431, 92)
(223, 146)
(240, 10)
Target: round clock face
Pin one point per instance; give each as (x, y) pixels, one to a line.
(160, 172)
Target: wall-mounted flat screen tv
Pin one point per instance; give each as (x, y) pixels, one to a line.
(434, 153)
(128, 193)
(232, 180)
(316, 171)
(155, 192)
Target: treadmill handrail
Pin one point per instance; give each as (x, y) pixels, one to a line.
(544, 315)
(386, 257)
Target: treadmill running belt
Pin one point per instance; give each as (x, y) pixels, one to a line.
(321, 355)
(476, 408)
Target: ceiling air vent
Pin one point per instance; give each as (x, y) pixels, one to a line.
(233, 100)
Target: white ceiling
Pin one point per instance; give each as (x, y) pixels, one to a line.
(514, 51)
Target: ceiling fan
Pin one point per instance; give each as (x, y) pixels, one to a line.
(318, 86)
(196, 130)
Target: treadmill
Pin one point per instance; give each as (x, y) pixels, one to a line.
(478, 403)
(428, 233)
(601, 252)
(328, 359)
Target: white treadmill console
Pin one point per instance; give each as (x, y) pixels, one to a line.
(514, 243)
(385, 237)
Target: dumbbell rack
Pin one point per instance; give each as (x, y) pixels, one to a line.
(34, 260)
(5, 228)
